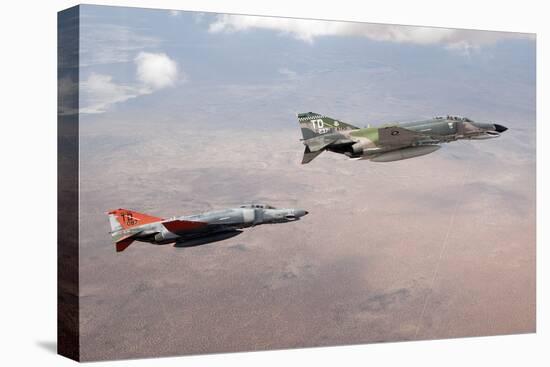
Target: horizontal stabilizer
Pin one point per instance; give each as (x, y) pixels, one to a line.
(309, 155)
(123, 244)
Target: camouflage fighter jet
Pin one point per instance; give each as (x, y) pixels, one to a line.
(128, 226)
(391, 142)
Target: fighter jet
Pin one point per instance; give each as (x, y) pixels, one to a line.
(390, 142)
(128, 226)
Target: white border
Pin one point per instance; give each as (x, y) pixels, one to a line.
(28, 205)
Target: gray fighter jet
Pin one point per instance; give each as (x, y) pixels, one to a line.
(390, 142)
(128, 226)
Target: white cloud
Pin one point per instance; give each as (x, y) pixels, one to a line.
(154, 71)
(290, 74)
(99, 92)
(463, 47)
(198, 17)
(307, 30)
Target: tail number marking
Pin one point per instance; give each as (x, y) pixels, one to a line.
(319, 125)
(129, 219)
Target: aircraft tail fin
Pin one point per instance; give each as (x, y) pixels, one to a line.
(125, 219)
(124, 226)
(314, 124)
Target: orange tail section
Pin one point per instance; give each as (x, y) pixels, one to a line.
(123, 222)
(128, 218)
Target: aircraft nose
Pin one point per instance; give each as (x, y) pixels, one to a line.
(500, 128)
(300, 212)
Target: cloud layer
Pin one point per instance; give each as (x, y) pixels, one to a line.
(154, 71)
(307, 30)
(103, 44)
(99, 92)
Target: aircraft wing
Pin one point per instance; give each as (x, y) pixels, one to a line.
(397, 136)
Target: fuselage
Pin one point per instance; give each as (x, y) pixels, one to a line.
(199, 225)
(424, 137)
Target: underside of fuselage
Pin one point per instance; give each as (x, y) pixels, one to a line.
(344, 149)
(387, 154)
(208, 238)
(169, 238)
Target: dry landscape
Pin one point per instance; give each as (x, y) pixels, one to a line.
(436, 247)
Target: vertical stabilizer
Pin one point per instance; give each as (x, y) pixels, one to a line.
(314, 124)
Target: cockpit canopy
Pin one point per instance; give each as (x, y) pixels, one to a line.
(257, 206)
(454, 118)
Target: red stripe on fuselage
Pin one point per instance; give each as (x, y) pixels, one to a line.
(178, 226)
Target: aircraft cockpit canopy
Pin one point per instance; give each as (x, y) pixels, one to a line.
(257, 206)
(454, 118)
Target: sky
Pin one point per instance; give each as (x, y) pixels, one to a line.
(140, 57)
(184, 112)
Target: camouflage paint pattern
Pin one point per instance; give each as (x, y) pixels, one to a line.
(322, 133)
